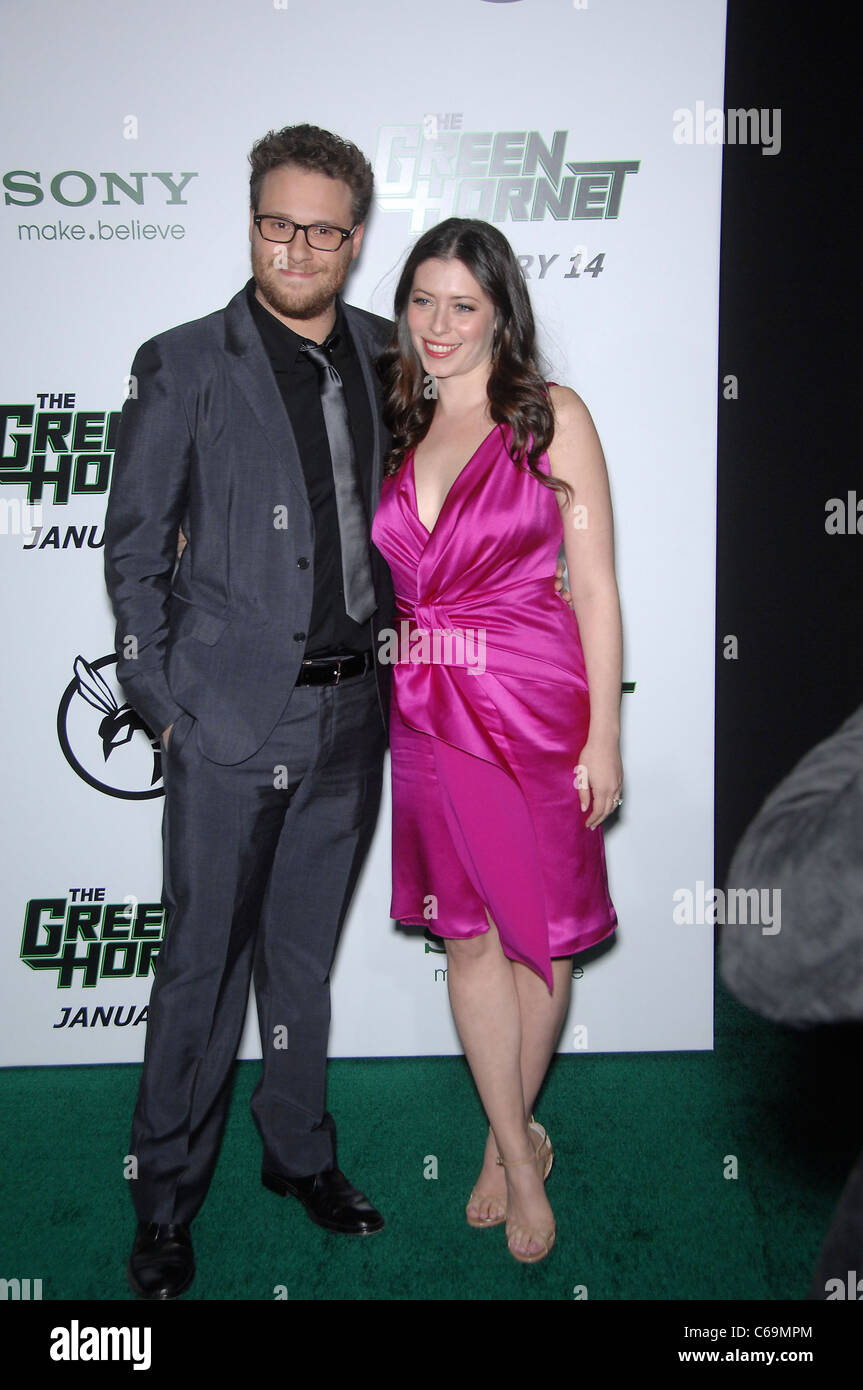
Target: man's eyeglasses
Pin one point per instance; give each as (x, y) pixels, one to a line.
(319, 235)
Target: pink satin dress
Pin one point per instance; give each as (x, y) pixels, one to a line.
(490, 711)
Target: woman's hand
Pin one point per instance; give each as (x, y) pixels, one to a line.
(600, 774)
(558, 582)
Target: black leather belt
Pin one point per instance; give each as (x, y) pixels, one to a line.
(331, 670)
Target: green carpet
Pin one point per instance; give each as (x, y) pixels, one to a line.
(643, 1209)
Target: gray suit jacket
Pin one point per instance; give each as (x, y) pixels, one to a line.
(205, 442)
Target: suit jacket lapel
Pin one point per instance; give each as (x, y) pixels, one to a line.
(254, 377)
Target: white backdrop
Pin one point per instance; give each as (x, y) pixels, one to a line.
(119, 118)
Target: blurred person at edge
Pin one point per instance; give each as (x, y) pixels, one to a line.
(804, 846)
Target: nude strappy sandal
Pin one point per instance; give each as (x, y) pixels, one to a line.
(544, 1147)
(545, 1154)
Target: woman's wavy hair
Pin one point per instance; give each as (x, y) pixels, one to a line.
(517, 393)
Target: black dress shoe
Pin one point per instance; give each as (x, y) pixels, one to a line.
(330, 1200)
(162, 1263)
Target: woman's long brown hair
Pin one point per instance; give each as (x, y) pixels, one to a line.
(518, 395)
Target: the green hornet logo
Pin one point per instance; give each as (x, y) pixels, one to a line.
(507, 175)
(69, 452)
(87, 940)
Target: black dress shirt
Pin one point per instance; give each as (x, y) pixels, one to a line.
(331, 631)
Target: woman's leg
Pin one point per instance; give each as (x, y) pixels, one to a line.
(487, 1010)
(542, 1016)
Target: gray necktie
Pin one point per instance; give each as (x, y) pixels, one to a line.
(360, 601)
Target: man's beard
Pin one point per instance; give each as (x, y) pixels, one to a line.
(295, 300)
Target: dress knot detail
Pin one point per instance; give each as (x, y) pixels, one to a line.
(431, 616)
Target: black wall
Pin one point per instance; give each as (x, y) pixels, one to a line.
(790, 328)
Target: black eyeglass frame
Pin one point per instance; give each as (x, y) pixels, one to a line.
(300, 227)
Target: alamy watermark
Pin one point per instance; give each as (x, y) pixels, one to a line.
(738, 126)
(77, 1343)
(728, 907)
(437, 646)
(18, 518)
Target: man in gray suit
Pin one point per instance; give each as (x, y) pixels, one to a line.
(256, 430)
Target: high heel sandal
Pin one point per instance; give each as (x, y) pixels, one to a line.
(544, 1145)
(480, 1223)
(547, 1237)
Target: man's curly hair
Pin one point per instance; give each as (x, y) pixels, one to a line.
(319, 151)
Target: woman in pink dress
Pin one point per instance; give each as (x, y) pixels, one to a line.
(505, 703)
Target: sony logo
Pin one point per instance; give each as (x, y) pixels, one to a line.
(74, 188)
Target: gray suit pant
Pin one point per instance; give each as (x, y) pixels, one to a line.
(260, 862)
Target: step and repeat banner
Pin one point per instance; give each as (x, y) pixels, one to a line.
(591, 134)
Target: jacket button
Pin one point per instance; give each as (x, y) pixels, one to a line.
(299, 637)
(302, 563)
